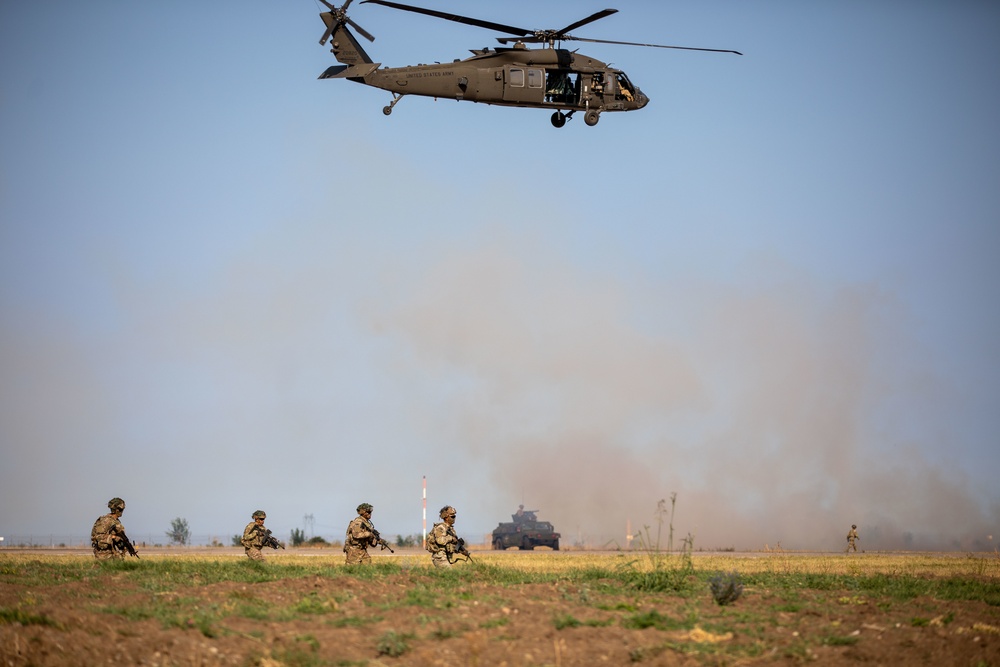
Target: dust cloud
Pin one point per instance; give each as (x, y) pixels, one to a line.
(776, 407)
(763, 405)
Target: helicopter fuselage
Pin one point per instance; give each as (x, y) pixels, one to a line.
(518, 76)
(548, 78)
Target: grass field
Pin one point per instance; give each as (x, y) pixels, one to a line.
(505, 608)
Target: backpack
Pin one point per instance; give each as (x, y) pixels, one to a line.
(431, 544)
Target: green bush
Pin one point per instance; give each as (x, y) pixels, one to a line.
(726, 587)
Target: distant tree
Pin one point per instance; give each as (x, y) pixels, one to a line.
(237, 540)
(318, 541)
(409, 540)
(179, 532)
(298, 537)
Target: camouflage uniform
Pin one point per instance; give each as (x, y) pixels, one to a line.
(443, 539)
(107, 535)
(852, 536)
(253, 537)
(359, 537)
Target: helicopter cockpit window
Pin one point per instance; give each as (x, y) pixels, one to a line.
(625, 89)
(516, 77)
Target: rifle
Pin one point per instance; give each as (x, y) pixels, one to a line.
(462, 549)
(127, 546)
(271, 541)
(377, 540)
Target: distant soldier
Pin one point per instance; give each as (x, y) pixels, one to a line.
(107, 537)
(360, 536)
(523, 515)
(443, 542)
(852, 537)
(256, 537)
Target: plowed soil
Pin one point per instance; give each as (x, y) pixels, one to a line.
(398, 620)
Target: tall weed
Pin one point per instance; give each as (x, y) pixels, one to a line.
(657, 570)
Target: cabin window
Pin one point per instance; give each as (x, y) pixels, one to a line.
(516, 77)
(597, 83)
(535, 78)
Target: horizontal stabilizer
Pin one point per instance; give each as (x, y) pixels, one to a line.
(349, 71)
(333, 72)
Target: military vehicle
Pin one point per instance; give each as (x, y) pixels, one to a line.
(525, 531)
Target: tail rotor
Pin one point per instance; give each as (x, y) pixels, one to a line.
(338, 17)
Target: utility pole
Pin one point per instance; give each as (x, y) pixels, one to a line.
(308, 523)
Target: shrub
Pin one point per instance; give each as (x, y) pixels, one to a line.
(726, 587)
(392, 644)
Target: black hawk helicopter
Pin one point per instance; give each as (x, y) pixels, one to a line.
(545, 78)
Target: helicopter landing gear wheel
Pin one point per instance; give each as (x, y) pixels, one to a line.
(388, 109)
(558, 119)
(592, 117)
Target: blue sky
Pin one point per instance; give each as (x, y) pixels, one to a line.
(226, 285)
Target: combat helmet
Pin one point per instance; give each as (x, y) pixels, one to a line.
(365, 507)
(116, 505)
(259, 514)
(447, 511)
(854, 525)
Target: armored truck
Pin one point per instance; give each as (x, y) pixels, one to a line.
(525, 531)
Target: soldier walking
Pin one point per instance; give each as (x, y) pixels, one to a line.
(852, 537)
(107, 537)
(256, 536)
(443, 542)
(360, 536)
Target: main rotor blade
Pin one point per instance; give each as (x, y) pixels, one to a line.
(489, 25)
(656, 46)
(590, 19)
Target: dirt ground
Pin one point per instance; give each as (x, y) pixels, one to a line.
(342, 620)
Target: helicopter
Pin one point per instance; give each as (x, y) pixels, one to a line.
(549, 77)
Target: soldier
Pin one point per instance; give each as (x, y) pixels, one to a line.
(852, 536)
(443, 541)
(108, 534)
(255, 536)
(360, 536)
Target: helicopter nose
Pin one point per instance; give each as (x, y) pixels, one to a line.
(641, 99)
